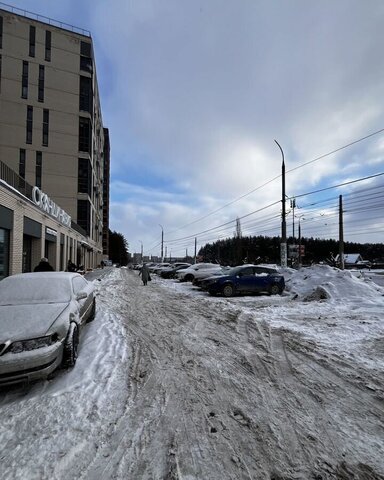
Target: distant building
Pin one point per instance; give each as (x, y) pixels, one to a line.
(53, 140)
(353, 260)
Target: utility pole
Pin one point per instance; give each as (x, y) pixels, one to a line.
(283, 245)
(341, 233)
(299, 244)
(293, 205)
(162, 242)
(195, 249)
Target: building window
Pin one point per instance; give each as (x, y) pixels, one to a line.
(1, 32)
(40, 96)
(22, 157)
(29, 124)
(32, 40)
(24, 81)
(45, 127)
(86, 95)
(48, 40)
(84, 177)
(84, 135)
(22, 163)
(83, 215)
(86, 57)
(39, 165)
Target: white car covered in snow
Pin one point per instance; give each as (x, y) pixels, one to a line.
(41, 315)
(190, 273)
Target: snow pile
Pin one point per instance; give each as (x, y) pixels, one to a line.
(322, 282)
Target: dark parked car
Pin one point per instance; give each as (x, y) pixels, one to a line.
(245, 279)
(171, 271)
(41, 316)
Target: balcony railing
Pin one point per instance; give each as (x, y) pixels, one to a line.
(43, 19)
(14, 180)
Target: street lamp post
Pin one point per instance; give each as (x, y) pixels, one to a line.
(283, 245)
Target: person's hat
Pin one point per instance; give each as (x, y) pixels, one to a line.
(44, 259)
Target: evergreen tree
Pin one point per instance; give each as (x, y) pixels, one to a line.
(118, 248)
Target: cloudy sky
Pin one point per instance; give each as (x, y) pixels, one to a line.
(195, 93)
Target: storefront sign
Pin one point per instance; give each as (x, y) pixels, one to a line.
(50, 231)
(42, 200)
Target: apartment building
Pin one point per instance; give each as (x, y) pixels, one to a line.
(52, 138)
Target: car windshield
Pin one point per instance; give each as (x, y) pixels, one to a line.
(22, 291)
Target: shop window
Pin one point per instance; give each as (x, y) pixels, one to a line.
(4, 253)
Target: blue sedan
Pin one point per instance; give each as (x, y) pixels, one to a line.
(245, 279)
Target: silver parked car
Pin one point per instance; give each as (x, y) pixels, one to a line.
(41, 315)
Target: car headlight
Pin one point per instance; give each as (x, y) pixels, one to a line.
(33, 344)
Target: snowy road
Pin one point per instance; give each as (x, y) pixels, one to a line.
(174, 384)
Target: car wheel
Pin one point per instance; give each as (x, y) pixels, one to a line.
(71, 346)
(189, 278)
(275, 289)
(228, 290)
(93, 312)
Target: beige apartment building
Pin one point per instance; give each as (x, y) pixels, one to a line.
(54, 150)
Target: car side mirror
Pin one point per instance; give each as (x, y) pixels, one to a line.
(81, 296)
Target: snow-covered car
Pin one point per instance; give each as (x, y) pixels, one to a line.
(188, 274)
(245, 279)
(159, 267)
(41, 316)
(170, 272)
(209, 272)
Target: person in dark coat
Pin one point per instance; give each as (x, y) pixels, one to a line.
(71, 267)
(144, 273)
(44, 266)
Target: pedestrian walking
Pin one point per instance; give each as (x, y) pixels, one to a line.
(144, 273)
(44, 266)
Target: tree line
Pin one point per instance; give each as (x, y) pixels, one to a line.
(260, 249)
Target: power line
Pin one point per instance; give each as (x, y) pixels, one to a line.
(278, 176)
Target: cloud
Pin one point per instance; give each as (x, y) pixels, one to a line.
(194, 94)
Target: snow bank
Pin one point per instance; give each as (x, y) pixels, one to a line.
(322, 282)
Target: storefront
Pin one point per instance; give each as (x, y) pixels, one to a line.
(6, 226)
(32, 228)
